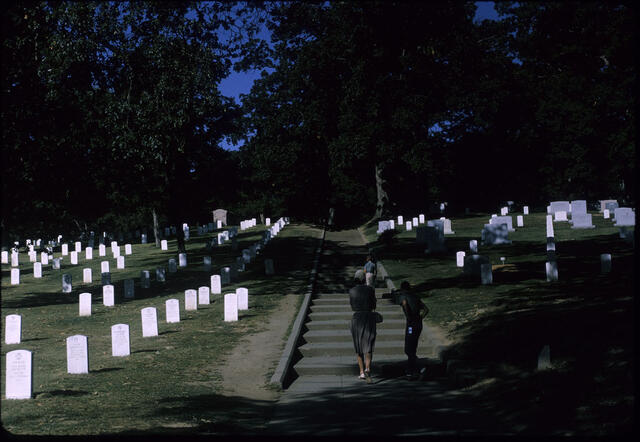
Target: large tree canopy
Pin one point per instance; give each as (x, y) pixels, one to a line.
(111, 111)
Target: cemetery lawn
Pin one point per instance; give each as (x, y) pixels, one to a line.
(498, 330)
(171, 383)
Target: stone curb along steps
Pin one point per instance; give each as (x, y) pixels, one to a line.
(284, 365)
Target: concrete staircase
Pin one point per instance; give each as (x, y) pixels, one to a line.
(328, 348)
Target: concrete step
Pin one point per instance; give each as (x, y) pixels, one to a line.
(347, 315)
(340, 298)
(382, 347)
(330, 324)
(344, 335)
(344, 365)
(325, 307)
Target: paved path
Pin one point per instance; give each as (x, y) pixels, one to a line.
(327, 398)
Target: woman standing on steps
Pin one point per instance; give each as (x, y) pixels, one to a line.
(363, 323)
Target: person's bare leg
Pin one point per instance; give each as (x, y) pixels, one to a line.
(367, 367)
(367, 362)
(360, 363)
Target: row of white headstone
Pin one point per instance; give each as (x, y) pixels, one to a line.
(73, 255)
(19, 368)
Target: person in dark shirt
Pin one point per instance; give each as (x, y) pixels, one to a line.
(414, 311)
(363, 324)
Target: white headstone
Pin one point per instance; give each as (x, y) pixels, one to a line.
(18, 375)
(5, 257)
(243, 298)
(520, 221)
(77, 354)
(108, 295)
(114, 244)
(104, 266)
(268, 267)
(164, 245)
(230, 307)
(624, 216)
(129, 289)
(37, 270)
(447, 227)
(172, 307)
(552, 271)
(120, 340)
(149, 322)
(460, 258)
(15, 259)
(85, 304)
(64, 249)
(525, 210)
(544, 358)
(560, 215)
(86, 276)
(182, 259)
(267, 221)
(400, 220)
(161, 274)
(203, 295)
(486, 275)
(606, 214)
(12, 329)
(504, 211)
(550, 226)
(32, 256)
(127, 249)
(216, 286)
(15, 276)
(551, 244)
(66, 283)
(414, 222)
(190, 300)
(605, 262)
(116, 252)
(173, 268)
(120, 262)
(88, 253)
(145, 279)
(102, 250)
(408, 225)
(78, 247)
(74, 257)
(225, 275)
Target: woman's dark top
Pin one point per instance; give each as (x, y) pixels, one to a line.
(362, 298)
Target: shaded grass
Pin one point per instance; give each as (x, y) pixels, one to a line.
(498, 330)
(137, 393)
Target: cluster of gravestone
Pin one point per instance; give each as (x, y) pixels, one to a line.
(428, 232)
(574, 212)
(19, 370)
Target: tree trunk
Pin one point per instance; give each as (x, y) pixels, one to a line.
(382, 201)
(156, 227)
